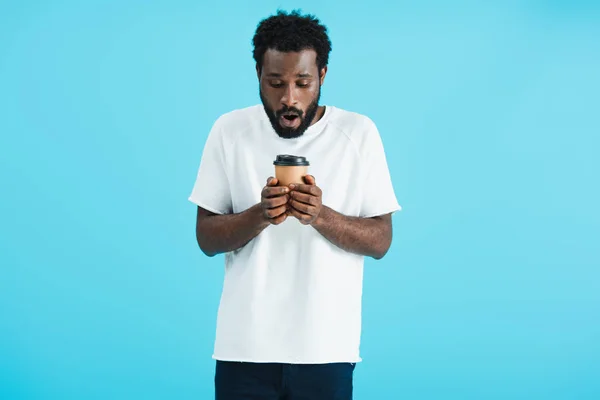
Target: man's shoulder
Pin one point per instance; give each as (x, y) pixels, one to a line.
(243, 118)
(231, 125)
(354, 124)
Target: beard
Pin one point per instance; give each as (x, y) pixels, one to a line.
(305, 117)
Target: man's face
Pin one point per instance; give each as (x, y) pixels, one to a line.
(290, 88)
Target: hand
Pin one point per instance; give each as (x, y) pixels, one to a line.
(273, 202)
(306, 201)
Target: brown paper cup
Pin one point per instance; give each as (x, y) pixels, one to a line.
(287, 175)
(290, 169)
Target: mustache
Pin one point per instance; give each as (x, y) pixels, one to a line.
(289, 110)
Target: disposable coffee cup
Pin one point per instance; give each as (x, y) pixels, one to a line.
(290, 169)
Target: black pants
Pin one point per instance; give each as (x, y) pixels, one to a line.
(257, 381)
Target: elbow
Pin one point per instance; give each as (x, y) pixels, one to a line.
(207, 251)
(204, 247)
(383, 238)
(379, 254)
(382, 248)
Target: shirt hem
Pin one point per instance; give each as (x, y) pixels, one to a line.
(288, 361)
(206, 207)
(390, 210)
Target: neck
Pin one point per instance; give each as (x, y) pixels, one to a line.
(318, 115)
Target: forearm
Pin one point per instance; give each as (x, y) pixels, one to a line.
(223, 233)
(366, 236)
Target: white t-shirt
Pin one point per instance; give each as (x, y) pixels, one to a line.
(290, 295)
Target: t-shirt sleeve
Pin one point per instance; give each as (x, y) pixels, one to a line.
(378, 195)
(211, 190)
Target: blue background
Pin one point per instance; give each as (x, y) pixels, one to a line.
(489, 112)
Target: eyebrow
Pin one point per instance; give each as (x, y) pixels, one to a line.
(277, 75)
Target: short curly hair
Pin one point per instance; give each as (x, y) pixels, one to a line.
(291, 32)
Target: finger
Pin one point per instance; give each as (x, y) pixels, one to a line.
(303, 208)
(309, 189)
(272, 181)
(275, 212)
(305, 198)
(303, 218)
(274, 191)
(280, 219)
(274, 202)
(310, 180)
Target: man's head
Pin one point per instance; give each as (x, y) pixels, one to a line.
(291, 53)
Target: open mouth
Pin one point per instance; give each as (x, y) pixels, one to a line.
(290, 120)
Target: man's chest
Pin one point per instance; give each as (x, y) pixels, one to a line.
(334, 164)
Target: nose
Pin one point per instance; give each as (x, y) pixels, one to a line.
(289, 98)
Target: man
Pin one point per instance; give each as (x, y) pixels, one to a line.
(289, 318)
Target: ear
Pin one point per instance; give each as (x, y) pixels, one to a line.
(258, 72)
(322, 75)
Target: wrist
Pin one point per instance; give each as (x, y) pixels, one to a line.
(258, 217)
(322, 218)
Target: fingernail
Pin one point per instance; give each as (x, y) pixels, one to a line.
(292, 186)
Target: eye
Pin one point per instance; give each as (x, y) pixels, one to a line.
(303, 84)
(276, 84)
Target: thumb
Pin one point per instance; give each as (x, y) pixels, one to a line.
(272, 181)
(309, 179)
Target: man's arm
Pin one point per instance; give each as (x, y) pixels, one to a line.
(217, 233)
(222, 233)
(370, 237)
(366, 236)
